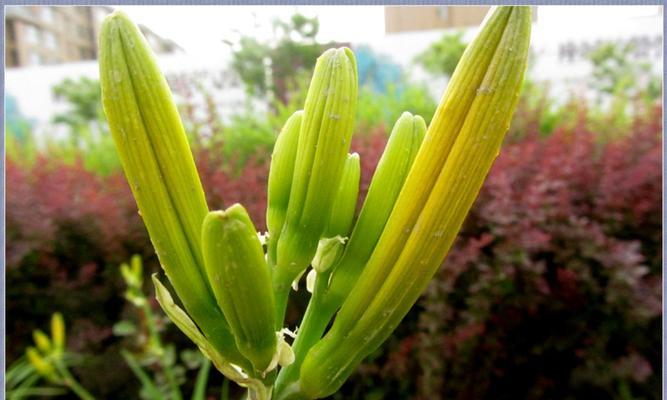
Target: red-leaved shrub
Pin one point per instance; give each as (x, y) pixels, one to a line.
(553, 288)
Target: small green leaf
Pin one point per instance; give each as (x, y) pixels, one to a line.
(124, 328)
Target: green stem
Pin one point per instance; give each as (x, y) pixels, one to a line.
(71, 383)
(282, 285)
(259, 392)
(314, 323)
(224, 390)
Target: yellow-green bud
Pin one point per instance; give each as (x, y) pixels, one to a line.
(434, 201)
(155, 155)
(43, 367)
(345, 202)
(394, 165)
(58, 332)
(42, 341)
(328, 251)
(330, 247)
(429, 162)
(137, 266)
(324, 140)
(280, 180)
(127, 275)
(241, 282)
(392, 169)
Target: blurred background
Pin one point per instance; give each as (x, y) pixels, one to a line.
(552, 290)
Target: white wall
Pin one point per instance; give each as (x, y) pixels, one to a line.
(32, 87)
(555, 28)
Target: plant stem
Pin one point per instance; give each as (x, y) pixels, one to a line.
(224, 390)
(71, 383)
(259, 392)
(314, 323)
(281, 290)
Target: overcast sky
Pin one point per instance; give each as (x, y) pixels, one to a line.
(201, 29)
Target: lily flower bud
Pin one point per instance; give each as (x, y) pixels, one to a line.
(58, 332)
(324, 140)
(331, 246)
(280, 180)
(402, 147)
(155, 155)
(43, 367)
(433, 202)
(399, 153)
(241, 282)
(345, 201)
(42, 341)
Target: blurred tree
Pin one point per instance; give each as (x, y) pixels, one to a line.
(83, 97)
(616, 73)
(622, 86)
(442, 56)
(88, 135)
(271, 68)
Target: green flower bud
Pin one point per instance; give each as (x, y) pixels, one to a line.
(159, 167)
(342, 214)
(324, 140)
(280, 180)
(42, 341)
(404, 142)
(58, 332)
(137, 266)
(328, 251)
(345, 202)
(429, 212)
(429, 162)
(128, 276)
(43, 367)
(241, 282)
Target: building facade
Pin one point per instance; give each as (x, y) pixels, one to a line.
(44, 35)
(420, 18)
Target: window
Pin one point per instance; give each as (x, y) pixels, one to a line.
(32, 34)
(35, 58)
(443, 13)
(50, 41)
(47, 15)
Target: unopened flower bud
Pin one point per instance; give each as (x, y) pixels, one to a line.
(402, 147)
(345, 202)
(42, 341)
(43, 367)
(241, 282)
(324, 140)
(280, 180)
(58, 332)
(155, 155)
